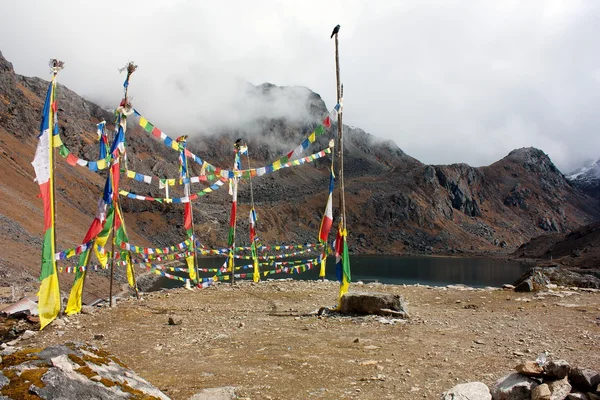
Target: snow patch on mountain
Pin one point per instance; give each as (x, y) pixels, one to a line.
(588, 172)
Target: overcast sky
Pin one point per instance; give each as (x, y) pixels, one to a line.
(448, 81)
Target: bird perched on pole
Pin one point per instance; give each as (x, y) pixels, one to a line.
(335, 30)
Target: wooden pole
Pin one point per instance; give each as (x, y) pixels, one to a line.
(253, 249)
(340, 134)
(231, 260)
(130, 69)
(112, 258)
(54, 65)
(187, 193)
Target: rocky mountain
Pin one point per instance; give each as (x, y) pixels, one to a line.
(587, 178)
(395, 204)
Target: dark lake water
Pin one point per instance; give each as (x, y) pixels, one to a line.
(434, 271)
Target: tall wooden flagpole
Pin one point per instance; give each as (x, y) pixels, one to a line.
(340, 128)
(113, 255)
(233, 220)
(187, 194)
(130, 68)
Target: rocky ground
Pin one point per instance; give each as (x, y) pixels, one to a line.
(265, 340)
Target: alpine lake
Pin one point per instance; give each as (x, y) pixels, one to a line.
(395, 270)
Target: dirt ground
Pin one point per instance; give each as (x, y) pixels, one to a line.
(252, 336)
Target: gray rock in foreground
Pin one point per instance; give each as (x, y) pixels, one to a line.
(62, 385)
(513, 387)
(584, 379)
(75, 371)
(363, 303)
(560, 389)
(557, 369)
(468, 391)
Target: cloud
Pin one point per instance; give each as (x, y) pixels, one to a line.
(452, 81)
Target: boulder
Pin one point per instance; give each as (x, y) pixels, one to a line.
(565, 277)
(584, 379)
(541, 392)
(557, 369)
(560, 389)
(72, 371)
(530, 368)
(513, 387)
(468, 391)
(531, 281)
(373, 303)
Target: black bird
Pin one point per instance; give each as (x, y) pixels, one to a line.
(335, 30)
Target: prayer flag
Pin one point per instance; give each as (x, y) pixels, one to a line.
(327, 220)
(49, 293)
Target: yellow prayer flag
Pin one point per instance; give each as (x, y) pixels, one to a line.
(191, 270)
(322, 271)
(130, 278)
(143, 122)
(256, 274)
(57, 141)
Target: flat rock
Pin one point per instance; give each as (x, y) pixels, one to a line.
(513, 387)
(560, 389)
(584, 379)
(219, 393)
(28, 335)
(530, 368)
(557, 369)
(61, 385)
(468, 391)
(59, 323)
(88, 309)
(541, 392)
(362, 303)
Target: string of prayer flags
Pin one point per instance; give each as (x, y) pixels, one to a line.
(229, 174)
(162, 182)
(153, 250)
(175, 200)
(74, 251)
(73, 160)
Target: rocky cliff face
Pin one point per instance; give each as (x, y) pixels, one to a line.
(395, 204)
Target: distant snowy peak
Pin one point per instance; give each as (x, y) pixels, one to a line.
(590, 172)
